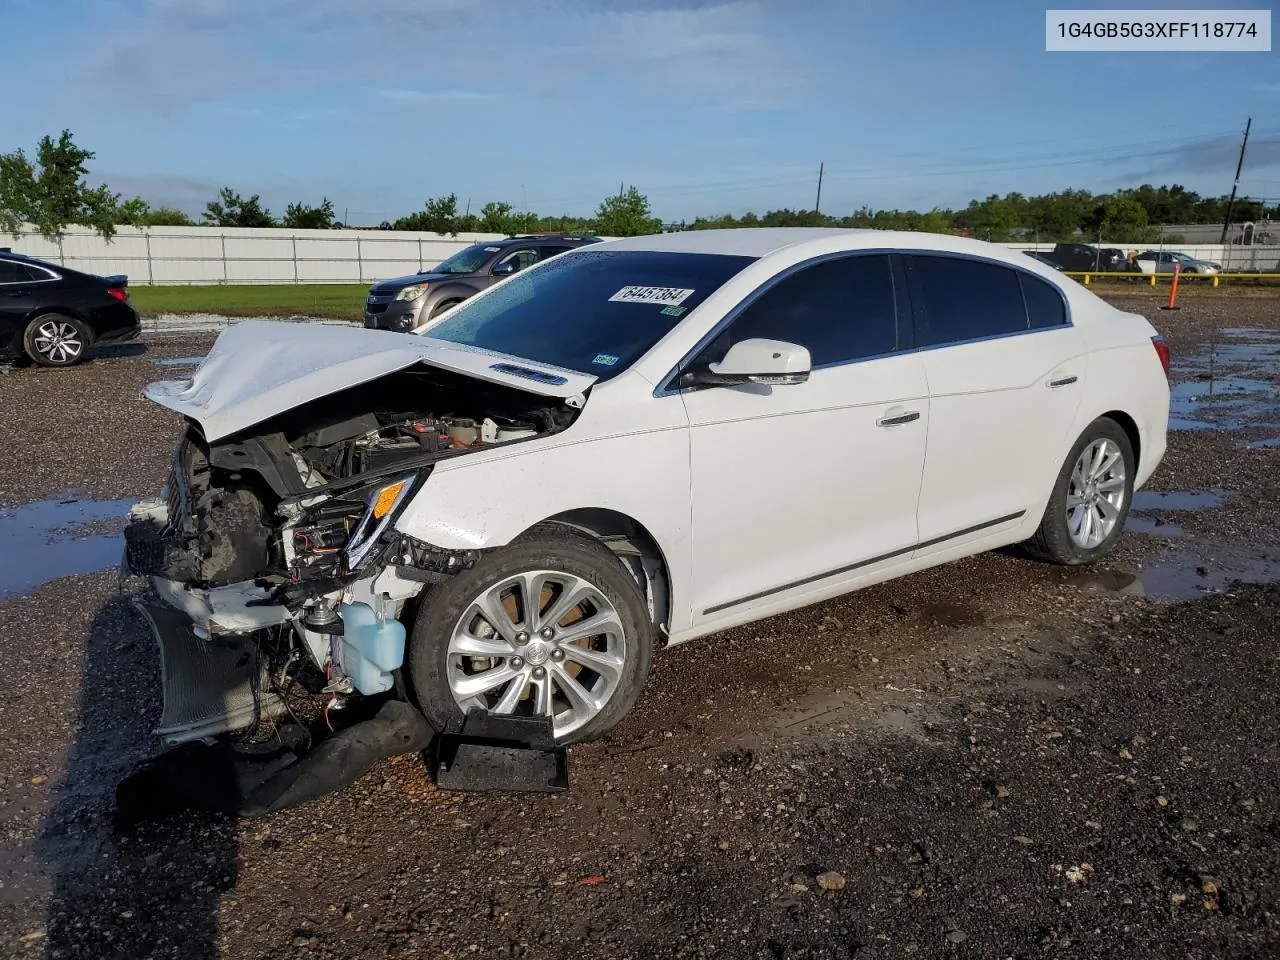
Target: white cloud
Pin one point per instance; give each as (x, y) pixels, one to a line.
(719, 54)
(431, 96)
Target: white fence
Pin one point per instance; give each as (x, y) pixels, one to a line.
(186, 255)
(182, 255)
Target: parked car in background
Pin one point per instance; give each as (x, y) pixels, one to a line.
(405, 302)
(643, 443)
(1085, 257)
(54, 315)
(1163, 261)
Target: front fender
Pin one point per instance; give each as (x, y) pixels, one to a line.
(487, 500)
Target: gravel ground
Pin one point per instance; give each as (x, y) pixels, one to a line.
(996, 758)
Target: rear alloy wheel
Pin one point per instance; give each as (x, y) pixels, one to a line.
(552, 625)
(1090, 500)
(54, 340)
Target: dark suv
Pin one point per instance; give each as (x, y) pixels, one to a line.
(405, 302)
(53, 314)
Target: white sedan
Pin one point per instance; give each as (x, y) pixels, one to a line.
(631, 445)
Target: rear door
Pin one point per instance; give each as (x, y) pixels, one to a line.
(1006, 371)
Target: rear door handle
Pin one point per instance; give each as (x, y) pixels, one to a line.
(898, 419)
(20, 293)
(1063, 381)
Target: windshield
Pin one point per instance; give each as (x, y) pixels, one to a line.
(594, 311)
(467, 260)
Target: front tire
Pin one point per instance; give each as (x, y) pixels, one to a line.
(444, 305)
(56, 340)
(1091, 498)
(552, 625)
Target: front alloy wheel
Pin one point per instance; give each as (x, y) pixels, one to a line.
(552, 625)
(545, 643)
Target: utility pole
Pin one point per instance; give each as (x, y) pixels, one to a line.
(620, 186)
(817, 204)
(1226, 224)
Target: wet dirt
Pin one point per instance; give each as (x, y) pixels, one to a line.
(1145, 501)
(957, 746)
(1230, 383)
(179, 361)
(63, 536)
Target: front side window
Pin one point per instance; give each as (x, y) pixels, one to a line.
(960, 299)
(839, 310)
(520, 258)
(594, 311)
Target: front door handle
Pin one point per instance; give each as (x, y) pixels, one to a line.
(1063, 381)
(898, 419)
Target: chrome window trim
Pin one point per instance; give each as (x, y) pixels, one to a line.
(666, 389)
(52, 276)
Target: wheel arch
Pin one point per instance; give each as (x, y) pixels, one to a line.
(1130, 428)
(636, 549)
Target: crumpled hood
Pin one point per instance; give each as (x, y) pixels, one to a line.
(260, 368)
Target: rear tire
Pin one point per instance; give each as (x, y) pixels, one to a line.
(475, 645)
(56, 340)
(1091, 497)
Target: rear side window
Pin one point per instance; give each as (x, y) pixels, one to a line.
(11, 272)
(1045, 307)
(839, 310)
(965, 300)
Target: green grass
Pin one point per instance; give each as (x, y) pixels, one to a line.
(342, 301)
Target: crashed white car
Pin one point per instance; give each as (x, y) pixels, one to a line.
(633, 444)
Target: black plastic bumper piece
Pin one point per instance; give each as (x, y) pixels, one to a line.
(514, 754)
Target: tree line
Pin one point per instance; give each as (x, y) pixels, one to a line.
(52, 192)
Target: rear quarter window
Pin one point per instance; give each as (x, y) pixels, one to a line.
(1045, 305)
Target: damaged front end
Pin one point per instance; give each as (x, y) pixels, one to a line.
(273, 559)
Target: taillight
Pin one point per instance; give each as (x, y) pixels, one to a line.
(1162, 350)
(120, 293)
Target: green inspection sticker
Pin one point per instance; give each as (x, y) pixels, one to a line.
(672, 311)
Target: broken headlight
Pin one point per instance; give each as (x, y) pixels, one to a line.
(333, 535)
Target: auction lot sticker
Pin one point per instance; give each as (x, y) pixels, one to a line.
(667, 296)
(1178, 31)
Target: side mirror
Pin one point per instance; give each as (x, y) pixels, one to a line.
(504, 269)
(773, 362)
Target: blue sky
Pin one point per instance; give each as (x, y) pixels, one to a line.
(708, 107)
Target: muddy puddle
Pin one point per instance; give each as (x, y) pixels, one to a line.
(1231, 384)
(1189, 568)
(64, 536)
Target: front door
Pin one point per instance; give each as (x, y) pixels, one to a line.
(799, 487)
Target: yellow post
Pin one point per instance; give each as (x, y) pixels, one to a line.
(1153, 279)
(1086, 279)
(1215, 279)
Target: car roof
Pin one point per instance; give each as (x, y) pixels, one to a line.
(761, 242)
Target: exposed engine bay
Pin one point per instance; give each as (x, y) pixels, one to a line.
(287, 500)
(273, 558)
